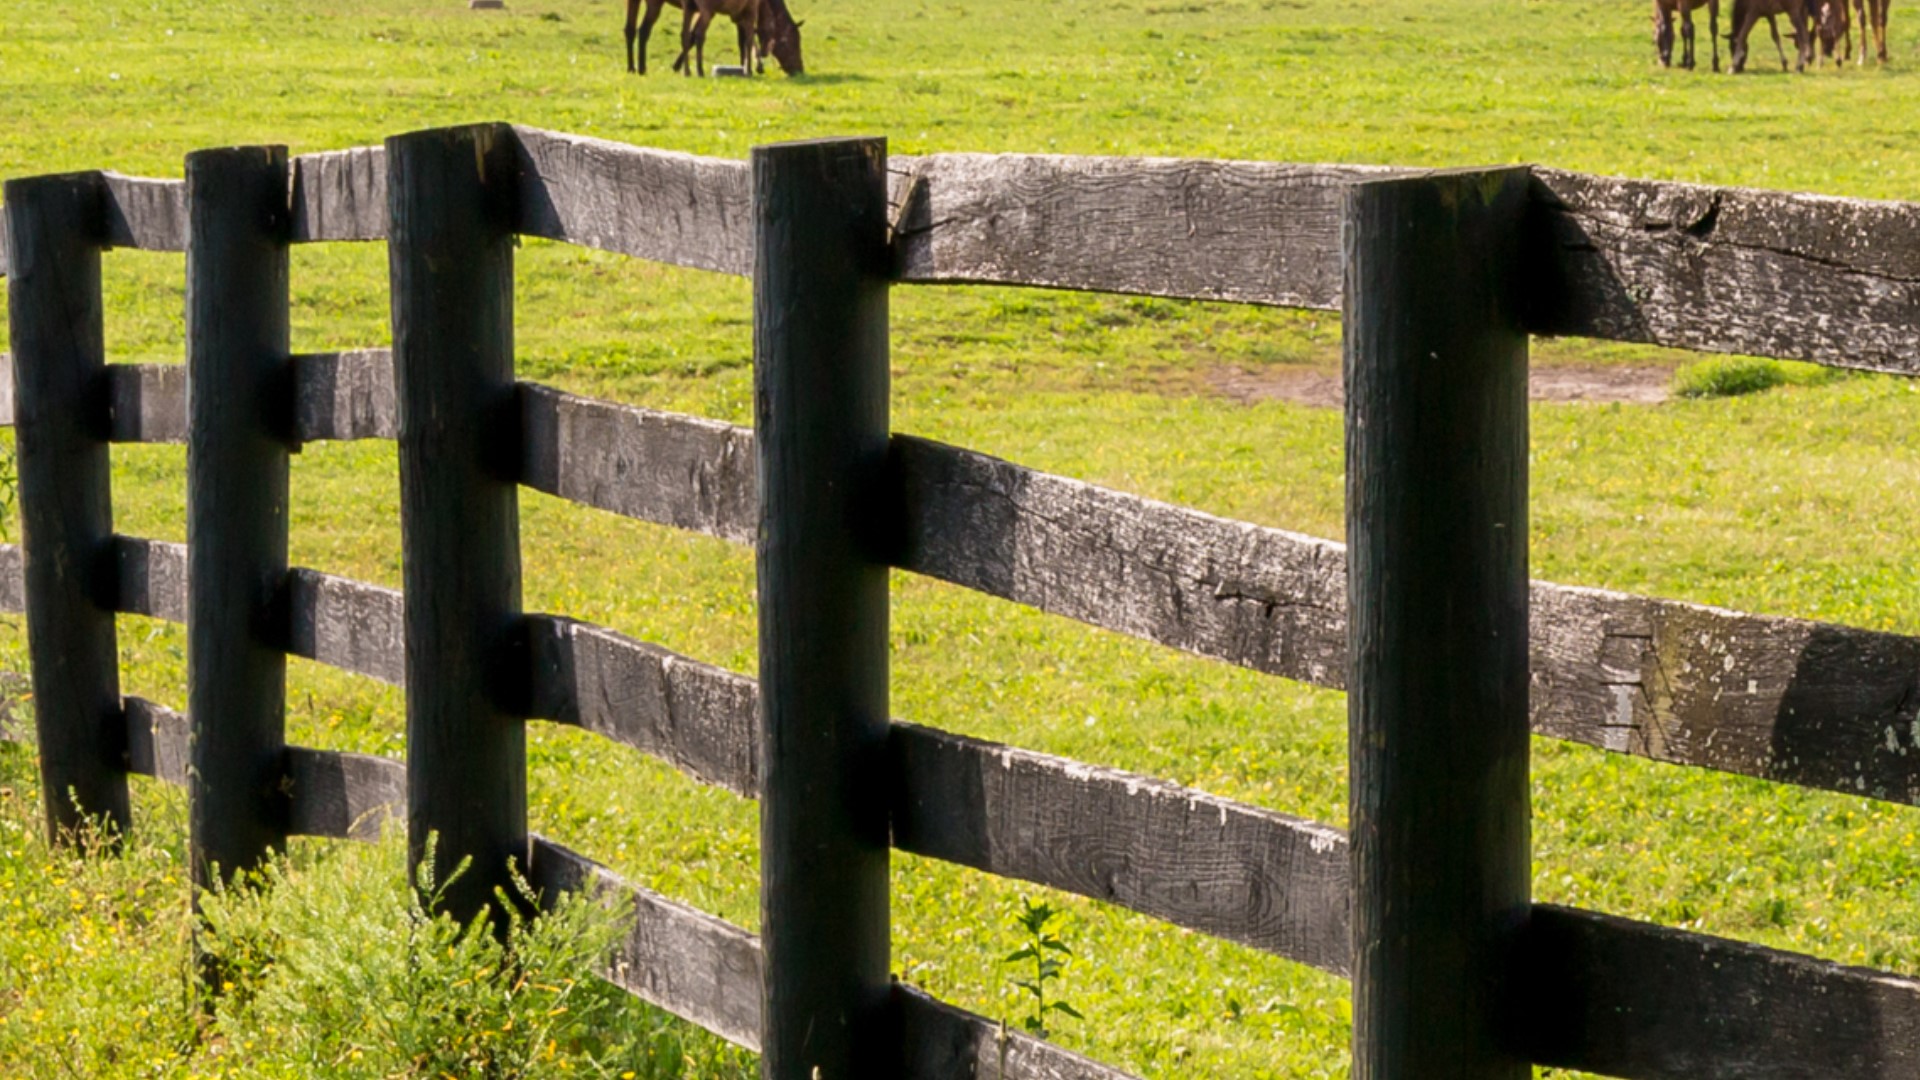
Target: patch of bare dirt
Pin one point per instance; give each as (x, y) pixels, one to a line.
(1562, 382)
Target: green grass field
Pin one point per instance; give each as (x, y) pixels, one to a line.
(1797, 500)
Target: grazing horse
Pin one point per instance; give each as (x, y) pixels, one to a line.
(699, 15)
(779, 35)
(1748, 12)
(1663, 12)
(1833, 29)
(1873, 13)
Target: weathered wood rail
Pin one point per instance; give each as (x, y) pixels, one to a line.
(1790, 700)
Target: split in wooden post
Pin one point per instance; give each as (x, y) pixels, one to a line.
(451, 197)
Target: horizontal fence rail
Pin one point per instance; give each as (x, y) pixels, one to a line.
(1720, 269)
(1792, 700)
(1771, 1013)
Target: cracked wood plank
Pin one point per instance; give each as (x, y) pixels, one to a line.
(943, 1042)
(345, 796)
(1623, 998)
(145, 214)
(694, 965)
(1223, 868)
(1247, 231)
(660, 467)
(147, 403)
(1733, 270)
(346, 624)
(1792, 700)
(698, 718)
(340, 195)
(156, 740)
(151, 577)
(344, 395)
(709, 972)
(13, 583)
(1237, 872)
(655, 204)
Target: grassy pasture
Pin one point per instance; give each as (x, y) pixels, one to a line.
(1799, 500)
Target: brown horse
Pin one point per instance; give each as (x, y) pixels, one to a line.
(1873, 14)
(1748, 12)
(1663, 13)
(779, 35)
(1833, 29)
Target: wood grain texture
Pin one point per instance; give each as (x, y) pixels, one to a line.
(344, 395)
(708, 971)
(147, 403)
(1785, 699)
(942, 1042)
(1801, 702)
(656, 204)
(660, 467)
(55, 332)
(13, 584)
(151, 578)
(687, 962)
(1624, 998)
(698, 718)
(1223, 868)
(820, 405)
(158, 741)
(346, 624)
(1727, 269)
(450, 261)
(1263, 598)
(1605, 994)
(148, 215)
(343, 795)
(238, 494)
(1438, 755)
(340, 195)
(1208, 864)
(1216, 230)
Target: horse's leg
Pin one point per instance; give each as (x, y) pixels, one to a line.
(646, 32)
(1663, 34)
(1713, 31)
(1802, 37)
(633, 18)
(1880, 27)
(700, 40)
(682, 63)
(1774, 25)
(1686, 36)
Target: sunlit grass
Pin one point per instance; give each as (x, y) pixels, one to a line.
(1797, 500)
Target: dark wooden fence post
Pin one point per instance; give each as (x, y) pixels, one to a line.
(55, 230)
(820, 414)
(450, 208)
(239, 396)
(1436, 370)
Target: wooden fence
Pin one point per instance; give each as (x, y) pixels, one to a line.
(1441, 278)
